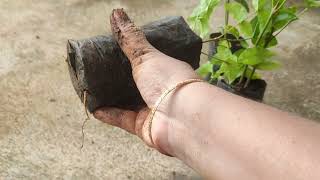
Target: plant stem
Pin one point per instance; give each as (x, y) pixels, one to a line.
(226, 19)
(223, 46)
(282, 28)
(283, 2)
(269, 20)
(269, 39)
(221, 37)
(238, 39)
(303, 11)
(215, 57)
(226, 14)
(204, 53)
(243, 74)
(214, 39)
(264, 30)
(250, 77)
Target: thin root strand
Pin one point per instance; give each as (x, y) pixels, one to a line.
(87, 118)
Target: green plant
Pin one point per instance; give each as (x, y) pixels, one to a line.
(256, 31)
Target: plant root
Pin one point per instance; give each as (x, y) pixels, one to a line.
(86, 120)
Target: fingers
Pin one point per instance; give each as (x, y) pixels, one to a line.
(131, 121)
(129, 37)
(124, 119)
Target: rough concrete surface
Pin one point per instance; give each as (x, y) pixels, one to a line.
(41, 115)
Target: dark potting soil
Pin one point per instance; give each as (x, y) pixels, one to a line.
(98, 66)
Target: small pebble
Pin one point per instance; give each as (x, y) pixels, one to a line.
(52, 100)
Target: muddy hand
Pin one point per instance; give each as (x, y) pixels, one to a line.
(153, 72)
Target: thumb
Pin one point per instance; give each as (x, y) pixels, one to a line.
(130, 38)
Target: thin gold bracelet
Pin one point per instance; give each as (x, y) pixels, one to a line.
(162, 97)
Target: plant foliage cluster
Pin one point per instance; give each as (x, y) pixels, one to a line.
(258, 23)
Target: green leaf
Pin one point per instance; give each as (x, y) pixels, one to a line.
(234, 71)
(262, 23)
(224, 43)
(205, 69)
(267, 40)
(230, 72)
(267, 33)
(283, 17)
(224, 53)
(232, 30)
(255, 4)
(244, 3)
(238, 53)
(223, 50)
(244, 44)
(272, 42)
(215, 61)
(246, 29)
(256, 31)
(312, 3)
(254, 56)
(268, 65)
(264, 13)
(257, 35)
(216, 75)
(237, 11)
(200, 17)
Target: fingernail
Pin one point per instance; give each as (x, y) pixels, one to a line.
(119, 15)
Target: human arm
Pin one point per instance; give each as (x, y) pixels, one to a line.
(220, 135)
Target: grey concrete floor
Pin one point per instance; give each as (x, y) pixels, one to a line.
(41, 116)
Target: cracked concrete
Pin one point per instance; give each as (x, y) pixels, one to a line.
(41, 116)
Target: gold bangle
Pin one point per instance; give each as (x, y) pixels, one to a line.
(162, 97)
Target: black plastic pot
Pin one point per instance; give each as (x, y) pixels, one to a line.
(98, 66)
(255, 89)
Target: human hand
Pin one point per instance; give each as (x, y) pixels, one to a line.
(153, 72)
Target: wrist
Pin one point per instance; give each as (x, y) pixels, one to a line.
(177, 118)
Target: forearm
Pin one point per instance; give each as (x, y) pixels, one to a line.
(224, 136)
(220, 135)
